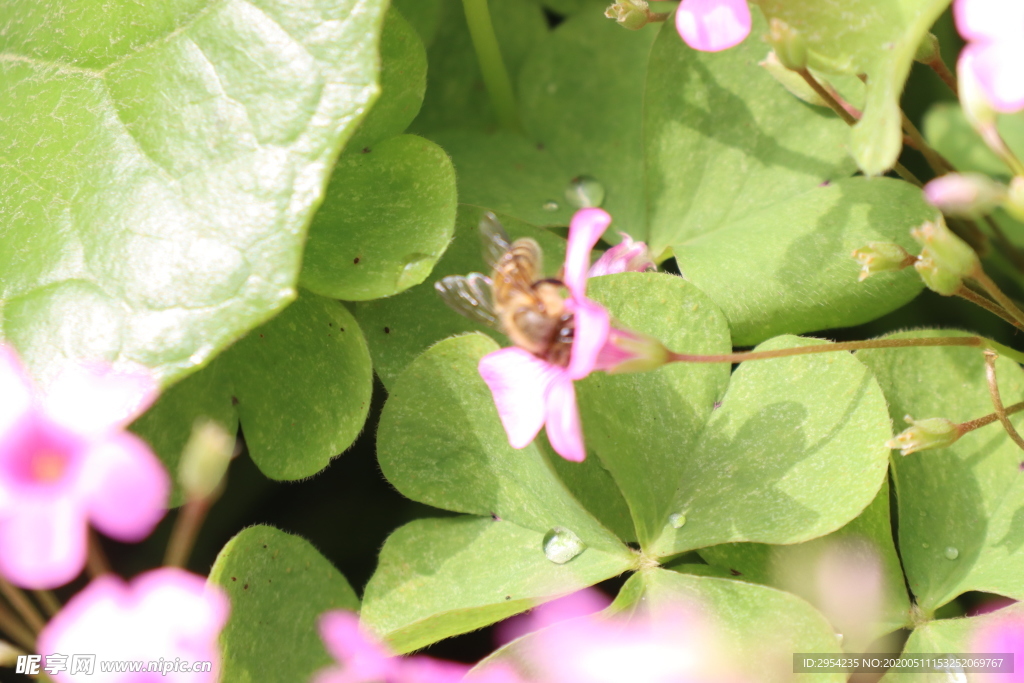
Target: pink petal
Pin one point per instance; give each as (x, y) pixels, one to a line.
(42, 544)
(125, 487)
(93, 398)
(591, 334)
(428, 670)
(64, 632)
(625, 256)
(578, 604)
(713, 25)
(989, 19)
(15, 389)
(1002, 633)
(189, 612)
(997, 67)
(585, 229)
(361, 658)
(563, 420)
(519, 381)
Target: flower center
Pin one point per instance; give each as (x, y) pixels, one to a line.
(46, 466)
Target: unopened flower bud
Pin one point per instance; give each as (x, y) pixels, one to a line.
(627, 351)
(1014, 203)
(928, 50)
(205, 460)
(932, 432)
(792, 81)
(878, 257)
(945, 260)
(965, 194)
(790, 47)
(632, 14)
(625, 257)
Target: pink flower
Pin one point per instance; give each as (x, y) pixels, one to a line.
(364, 660)
(626, 256)
(1003, 634)
(713, 25)
(166, 614)
(65, 460)
(994, 53)
(531, 392)
(578, 604)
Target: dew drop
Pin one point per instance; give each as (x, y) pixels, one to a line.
(416, 269)
(677, 520)
(925, 545)
(550, 205)
(951, 553)
(584, 192)
(561, 545)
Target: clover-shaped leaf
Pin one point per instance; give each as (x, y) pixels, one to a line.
(744, 617)
(300, 385)
(879, 43)
(160, 168)
(797, 275)
(278, 585)
(960, 508)
(796, 568)
(530, 540)
(401, 327)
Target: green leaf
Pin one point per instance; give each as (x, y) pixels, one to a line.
(403, 81)
(300, 385)
(508, 174)
(387, 218)
(458, 458)
(167, 425)
(278, 585)
(456, 96)
(741, 619)
(765, 468)
(400, 328)
(961, 526)
(160, 166)
(948, 131)
(792, 567)
(440, 577)
(952, 636)
(882, 47)
(788, 269)
(423, 15)
(640, 423)
(581, 95)
(724, 140)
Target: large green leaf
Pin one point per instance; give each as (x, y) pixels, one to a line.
(160, 166)
(960, 508)
(440, 577)
(424, 15)
(643, 422)
(401, 327)
(387, 218)
(278, 585)
(794, 567)
(300, 385)
(456, 96)
(787, 268)
(741, 619)
(764, 469)
(581, 95)
(724, 139)
(877, 39)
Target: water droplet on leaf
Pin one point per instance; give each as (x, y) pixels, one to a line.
(925, 545)
(561, 545)
(951, 553)
(585, 192)
(550, 205)
(416, 269)
(677, 520)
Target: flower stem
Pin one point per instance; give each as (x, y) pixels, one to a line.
(993, 290)
(976, 342)
(943, 72)
(997, 401)
(20, 602)
(992, 307)
(938, 162)
(984, 421)
(186, 528)
(492, 66)
(96, 562)
(51, 605)
(16, 629)
(824, 94)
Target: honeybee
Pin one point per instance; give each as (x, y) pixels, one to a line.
(516, 299)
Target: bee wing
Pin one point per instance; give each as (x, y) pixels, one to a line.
(494, 239)
(470, 295)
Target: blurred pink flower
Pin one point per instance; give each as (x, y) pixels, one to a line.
(626, 256)
(163, 614)
(713, 25)
(364, 660)
(1002, 634)
(65, 460)
(994, 53)
(531, 392)
(578, 604)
